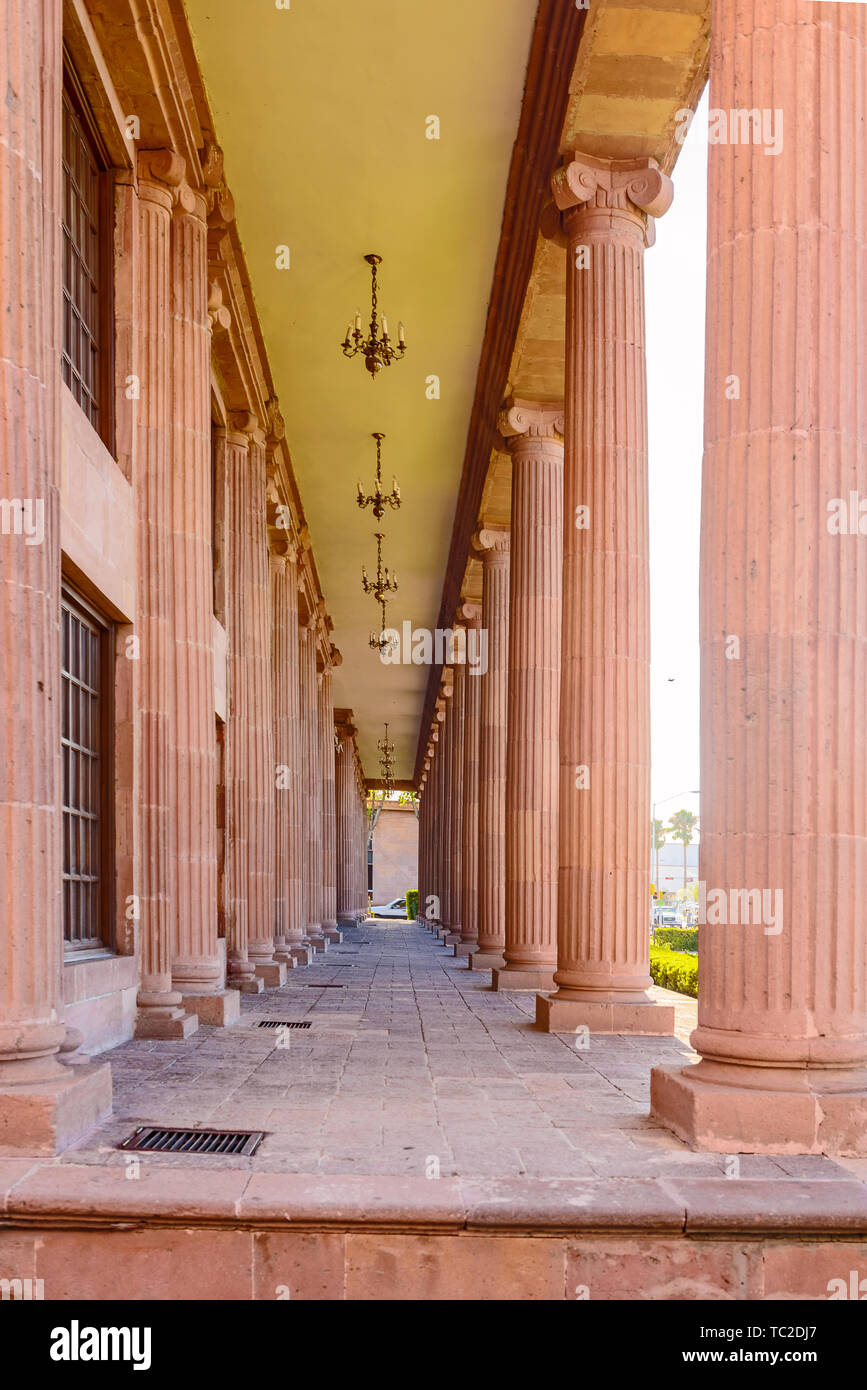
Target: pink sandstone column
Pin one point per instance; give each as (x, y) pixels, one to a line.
(282, 752)
(603, 971)
(442, 886)
(259, 729)
(329, 804)
(494, 547)
(44, 1105)
(312, 806)
(782, 1009)
(160, 1012)
(197, 969)
(535, 440)
(344, 768)
(454, 846)
(469, 784)
(235, 444)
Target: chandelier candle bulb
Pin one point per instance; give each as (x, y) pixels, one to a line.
(401, 338)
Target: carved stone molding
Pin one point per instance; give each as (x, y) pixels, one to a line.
(531, 419)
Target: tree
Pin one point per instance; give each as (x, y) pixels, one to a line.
(682, 826)
(658, 836)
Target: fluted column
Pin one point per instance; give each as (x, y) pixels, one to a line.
(534, 435)
(259, 730)
(471, 614)
(44, 1105)
(160, 1012)
(782, 1008)
(239, 777)
(347, 822)
(494, 547)
(442, 888)
(454, 845)
(197, 968)
(329, 826)
(603, 971)
(312, 801)
(288, 839)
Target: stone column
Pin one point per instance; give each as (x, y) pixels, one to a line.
(236, 446)
(329, 807)
(453, 871)
(160, 1012)
(347, 824)
(44, 1105)
(312, 797)
(443, 887)
(782, 1009)
(197, 968)
(288, 839)
(493, 545)
(471, 614)
(259, 731)
(535, 440)
(603, 971)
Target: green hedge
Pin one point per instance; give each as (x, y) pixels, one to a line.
(678, 938)
(673, 970)
(412, 904)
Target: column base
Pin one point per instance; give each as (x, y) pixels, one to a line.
(219, 1010)
(554, 1015)
(486, 960)
(272, 973)
(774, 1111)
(284, 957)
(302, 955)
(450, 938)
(165, 1028)
(319, 943)
(246, 985)
(333, 935)
(45, 1117)
(464, 948)
(523, 979)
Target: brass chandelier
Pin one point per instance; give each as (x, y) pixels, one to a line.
(386, 762)
(377, 349)
(384, 583)
(378, 500)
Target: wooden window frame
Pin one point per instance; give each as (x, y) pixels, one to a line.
(103, 939)
(104, 267)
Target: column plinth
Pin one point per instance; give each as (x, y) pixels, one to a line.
(603, 972)
(782, 999)
(534, 435)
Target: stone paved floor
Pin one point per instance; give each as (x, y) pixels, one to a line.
(413, 1058)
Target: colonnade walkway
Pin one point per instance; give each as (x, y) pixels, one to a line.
(424, 1140)
(413, 1066)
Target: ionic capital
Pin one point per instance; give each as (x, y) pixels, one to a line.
(532, 422)
(491, 543)
(160, 175)
(219, 317)
(603, 198)
(470, 614)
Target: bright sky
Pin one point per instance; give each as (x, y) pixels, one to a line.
(675, 269)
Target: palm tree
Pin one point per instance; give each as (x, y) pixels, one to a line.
(682, 826)
(658, 836)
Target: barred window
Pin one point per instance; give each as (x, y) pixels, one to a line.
(84, 360)
(85, 708)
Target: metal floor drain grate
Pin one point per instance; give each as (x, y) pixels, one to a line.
(281, 1023)
(194, 1141)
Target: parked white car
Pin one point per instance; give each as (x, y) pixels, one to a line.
(396, 908)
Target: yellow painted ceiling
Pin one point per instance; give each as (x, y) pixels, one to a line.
(321, 111)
